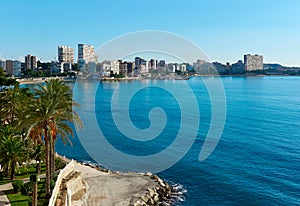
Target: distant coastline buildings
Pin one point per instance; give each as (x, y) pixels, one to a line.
(87, 65)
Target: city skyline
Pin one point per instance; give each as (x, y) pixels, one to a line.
(223, 30)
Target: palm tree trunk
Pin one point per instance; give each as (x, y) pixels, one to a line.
(34, 194)
(38, 167)
(12, 172)
(48, 166)
(53, 157)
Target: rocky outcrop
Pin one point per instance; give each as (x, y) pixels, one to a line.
(155, 195)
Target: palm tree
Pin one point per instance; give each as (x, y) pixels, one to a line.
(49, 116)
(12, 150)
(13, 101)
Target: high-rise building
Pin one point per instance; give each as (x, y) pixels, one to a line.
(30, 62)
(86, 58)
(138, 61)
(152, 64)
(253, 62)
(13, 67)
(65, 54)
(86, 53)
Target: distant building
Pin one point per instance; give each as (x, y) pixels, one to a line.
(86, 53)
(13, 67)
(172, 67)
(30, 62)
(198, 63)
(140, 65)
(238, 68)
(221, 68)
(253, 62)
(152, 64)
(55, 67)
(125, 67)
(161, 64)
(9, 67)
(65, 54)
(2, 64)
(87, 58)
(183, 67)
(108, 66)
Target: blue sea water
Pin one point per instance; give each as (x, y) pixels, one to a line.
(257, 160)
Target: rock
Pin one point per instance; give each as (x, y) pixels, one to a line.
(149, 174)
(150, 201)
(138, 203)
(156, 198)
(151, 192)
(145, 198)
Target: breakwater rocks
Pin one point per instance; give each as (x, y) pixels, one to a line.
(156, 195)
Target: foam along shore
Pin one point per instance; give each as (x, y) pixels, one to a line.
(106, 188)
(42, 79)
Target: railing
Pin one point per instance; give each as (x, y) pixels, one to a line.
(62, 174)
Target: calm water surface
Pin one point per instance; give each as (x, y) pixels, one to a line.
(257, 161)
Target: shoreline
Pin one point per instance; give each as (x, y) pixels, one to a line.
(106, 79)
(105, 187)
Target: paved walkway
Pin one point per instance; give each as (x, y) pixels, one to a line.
(106, 189)
(4, 201)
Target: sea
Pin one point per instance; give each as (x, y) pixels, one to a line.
(256, 158)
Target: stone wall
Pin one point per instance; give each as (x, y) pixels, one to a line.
(62, 174)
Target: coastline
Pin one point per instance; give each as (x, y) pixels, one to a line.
(107, 79)
(105, 187)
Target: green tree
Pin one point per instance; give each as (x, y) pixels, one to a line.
(13, 101)
(12, 150)
(49, 115)
(38, 154)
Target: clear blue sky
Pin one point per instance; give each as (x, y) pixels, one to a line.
(224, 29)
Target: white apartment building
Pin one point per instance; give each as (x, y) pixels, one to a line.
(65, 54)
(86, 53)
(109, 65)
(253, 62)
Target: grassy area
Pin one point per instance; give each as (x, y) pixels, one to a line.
(22, 200)
(17, 199)
(23, 172)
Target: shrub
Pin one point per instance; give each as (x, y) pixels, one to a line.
(17, 185)
(27, 188)
(1, 176)
(30, 201)
(52, 184)
(59, 164)
(55, 175)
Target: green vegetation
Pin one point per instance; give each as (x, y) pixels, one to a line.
(19, 199)
(22, 173)
(5, 82)
(31, 121)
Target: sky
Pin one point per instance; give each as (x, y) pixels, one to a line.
(224, 29)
